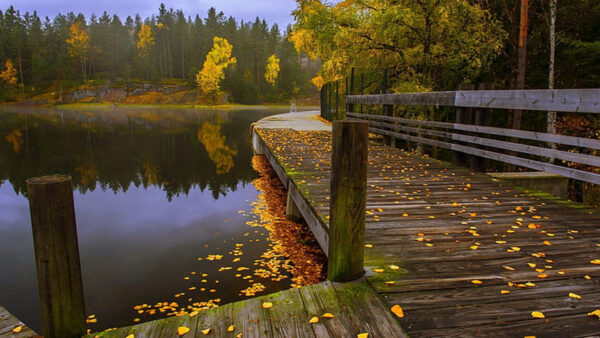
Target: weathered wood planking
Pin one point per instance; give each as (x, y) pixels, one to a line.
(355, 306)
(9, 322)
(562, 100)
(410, 197)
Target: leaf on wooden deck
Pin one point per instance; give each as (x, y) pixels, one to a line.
(595, 313)
(362, 335)
(17, 329)
(537, 314)
(230, 328)
(205, 331)
(267, 305)
(595, 261)
(328, 315)
(397, 310)
(182, 330)
(130, 336)
(574, 295)
(314, 320)
(476, 281)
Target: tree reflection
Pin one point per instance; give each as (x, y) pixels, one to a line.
(214, 143)
(115, 149)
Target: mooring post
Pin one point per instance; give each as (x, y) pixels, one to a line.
(57, 256)
(348, 200)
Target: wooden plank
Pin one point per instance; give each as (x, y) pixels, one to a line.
(409, 99)
(563, 100)
(524, 134)
(366, 310)
(320, 299)
(8, 323)
(288, 316)
(251, 319)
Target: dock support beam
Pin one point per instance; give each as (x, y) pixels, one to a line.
(292, 212)
(348, 200)
(57, 256)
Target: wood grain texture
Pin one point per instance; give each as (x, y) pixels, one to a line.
(57, 256)
(8, 323)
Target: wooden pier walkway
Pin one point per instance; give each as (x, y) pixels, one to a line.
(11, 327)
(352, 308)
(463, 254)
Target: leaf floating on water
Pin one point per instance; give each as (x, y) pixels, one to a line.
(328, 315)
(314, 320)
(476, 281)
(537, 314)
(267, 305)
(397, 310)
(182, 330)
(574, 295)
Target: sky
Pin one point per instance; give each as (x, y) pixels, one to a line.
(274, 11)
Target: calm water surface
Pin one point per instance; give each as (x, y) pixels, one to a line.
(160, 195)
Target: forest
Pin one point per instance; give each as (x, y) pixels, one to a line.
(40, 55)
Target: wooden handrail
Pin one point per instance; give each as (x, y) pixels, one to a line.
(560, 100)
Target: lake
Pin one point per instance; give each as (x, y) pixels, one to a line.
(163, 199)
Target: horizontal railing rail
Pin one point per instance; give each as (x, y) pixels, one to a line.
(559, 100)
(491, 142)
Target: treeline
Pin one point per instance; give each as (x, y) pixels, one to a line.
(64, 52)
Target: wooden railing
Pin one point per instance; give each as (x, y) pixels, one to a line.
(470, 139)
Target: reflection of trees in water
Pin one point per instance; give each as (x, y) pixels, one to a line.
(214, 143)
(15, 138)
(115, 150)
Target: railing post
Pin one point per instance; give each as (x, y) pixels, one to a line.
(483, 117)
(337, 99)
(463, 116)
(350, 91)
(57, 256)
(388, 110)
(348, 200)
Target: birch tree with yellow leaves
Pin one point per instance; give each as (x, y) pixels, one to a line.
(78, 44)
(272, 71)
(213, 71)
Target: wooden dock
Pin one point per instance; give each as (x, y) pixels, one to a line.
(462, 253)
(355, 307)
(11, 327)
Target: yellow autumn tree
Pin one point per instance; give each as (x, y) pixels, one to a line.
(145, 40)
(213, 70)
(78, 44)
(272, 71)
(9, 74)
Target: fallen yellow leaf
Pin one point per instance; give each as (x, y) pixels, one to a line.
(267, 305)
(362, 335)
(504, 292)
(574, 295)
(394, 267)
(595, 261)
(379, 270)
(542, 275)
(529, 337)
(516, 248)
(328, 315)
(475, 281)
(397, 310)
(17, 329)
(368, 245)
(531, 265)
(182, 330)
(314, 320)
(548, 243)
(537, 314)
(474, 247)
(130, 336)
(509, 268)
(205, 331)
(595, 313)
(230, 328)
(587, 277)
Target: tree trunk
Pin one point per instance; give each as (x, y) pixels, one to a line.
(21, 71)
(516, 123)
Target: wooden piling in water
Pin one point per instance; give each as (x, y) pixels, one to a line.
(57, 256)
(348, 200)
